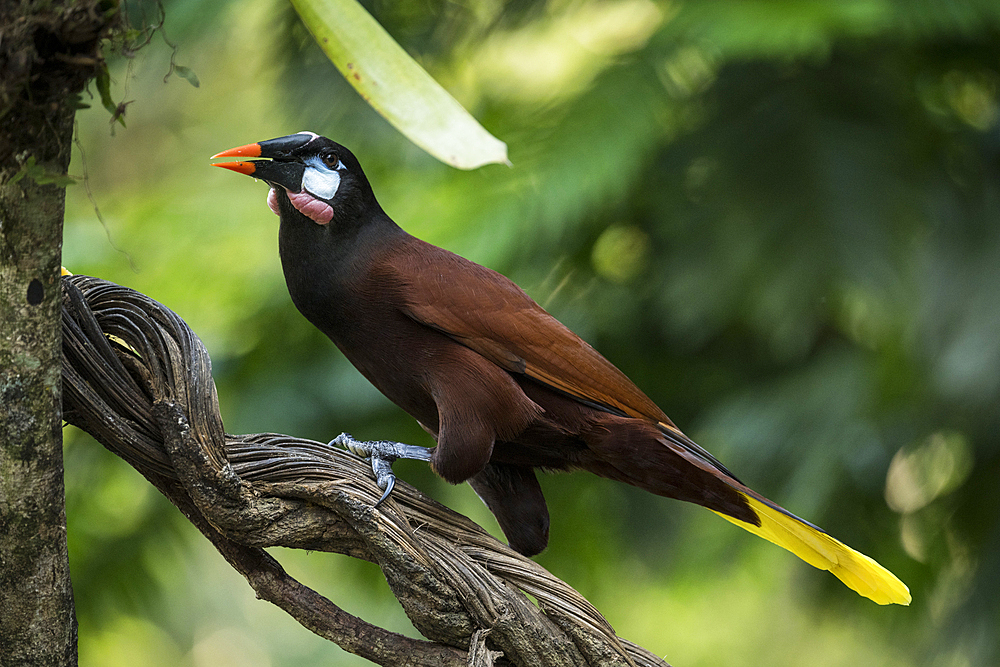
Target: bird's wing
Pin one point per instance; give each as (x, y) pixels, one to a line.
(488, 313)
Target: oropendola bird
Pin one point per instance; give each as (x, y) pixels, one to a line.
(502, 386)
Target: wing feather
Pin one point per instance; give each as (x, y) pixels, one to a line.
(488, 313)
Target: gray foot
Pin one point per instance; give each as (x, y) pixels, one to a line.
(382, 454)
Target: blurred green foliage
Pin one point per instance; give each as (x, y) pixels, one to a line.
(780, 218)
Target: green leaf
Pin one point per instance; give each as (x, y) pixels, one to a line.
(396, 86)
(40, 175)
(103, 80)
(23, 171)
(75, 102)
(186, 74)
(61, 180)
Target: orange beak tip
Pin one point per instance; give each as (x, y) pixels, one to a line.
(247, 168)
(250, 150)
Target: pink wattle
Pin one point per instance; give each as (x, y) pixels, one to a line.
(318, 211)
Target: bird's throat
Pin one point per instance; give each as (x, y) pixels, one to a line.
(316, 210)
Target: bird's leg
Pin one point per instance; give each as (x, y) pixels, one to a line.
(382, 454)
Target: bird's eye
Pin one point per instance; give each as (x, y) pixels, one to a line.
(331, 160)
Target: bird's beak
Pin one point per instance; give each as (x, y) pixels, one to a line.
(280, 167)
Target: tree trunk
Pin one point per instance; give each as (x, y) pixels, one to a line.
(48, 52)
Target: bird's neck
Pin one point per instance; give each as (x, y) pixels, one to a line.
(324, 264)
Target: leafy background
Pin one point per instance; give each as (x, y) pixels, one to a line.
(781, 218)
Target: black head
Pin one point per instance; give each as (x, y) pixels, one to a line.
(331, 224)
(322, 179)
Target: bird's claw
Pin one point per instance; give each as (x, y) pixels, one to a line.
(384, 477)
(382, 454)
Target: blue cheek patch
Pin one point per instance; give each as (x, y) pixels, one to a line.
(320, 181)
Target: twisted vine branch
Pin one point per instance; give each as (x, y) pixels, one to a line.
(139, 380)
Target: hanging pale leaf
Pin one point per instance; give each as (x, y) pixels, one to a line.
(396, 86)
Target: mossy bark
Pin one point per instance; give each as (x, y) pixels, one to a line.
(48, 52)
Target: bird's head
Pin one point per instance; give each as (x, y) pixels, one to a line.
(321, 179)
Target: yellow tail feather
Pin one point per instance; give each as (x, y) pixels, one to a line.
(815, 547)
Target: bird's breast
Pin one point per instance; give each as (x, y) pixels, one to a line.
(364, 320)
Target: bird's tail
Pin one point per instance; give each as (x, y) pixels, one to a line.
(822, 551)
(677, 467)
